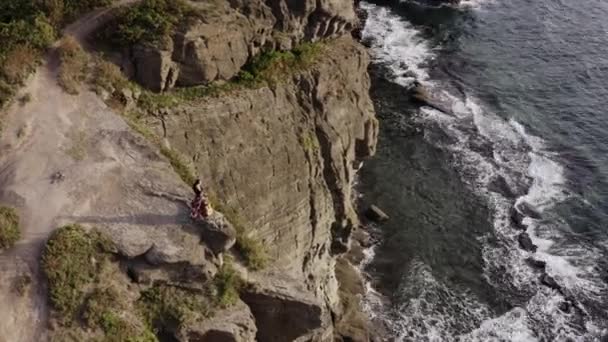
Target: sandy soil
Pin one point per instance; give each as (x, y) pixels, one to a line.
(66, 159)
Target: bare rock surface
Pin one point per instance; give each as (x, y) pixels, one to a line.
(234, 324)
(215, 45)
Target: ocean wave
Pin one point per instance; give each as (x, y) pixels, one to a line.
(486, 148)
(397, 44)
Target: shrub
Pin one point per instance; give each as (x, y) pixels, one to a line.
(251, 250)
(167, 307)
(108, 76)
(71, 261)
(270, 66)
(227, 284)
(151, 21)
(73, 64)
(19, 63)
(180, 166)
(9, 227)
(104, 310)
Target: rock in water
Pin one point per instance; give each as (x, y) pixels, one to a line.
(539, 264)
(499, 185)
(528, 210)
(548, 281)
(564, 306)
(517, 219)
(526, 243)
(376, 214)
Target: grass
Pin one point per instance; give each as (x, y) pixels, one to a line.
(71, 262)
(149, 22)
(179, 165)
(310, 142)
(74, 62)
(27, 28)
(9, 227)
(251, 250)
(227, 283)
(166, 308)
(105, 310)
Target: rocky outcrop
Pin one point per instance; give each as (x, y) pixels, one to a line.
(283, 158)
(285, 311)
(225, 34)
(234, 324)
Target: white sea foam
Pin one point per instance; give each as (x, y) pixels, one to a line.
(397, 44)
(486, 146)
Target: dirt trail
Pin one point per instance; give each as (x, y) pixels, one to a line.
(66, 159)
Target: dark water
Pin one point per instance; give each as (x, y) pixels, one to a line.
(526, 88)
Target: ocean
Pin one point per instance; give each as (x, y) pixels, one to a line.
(520, 145)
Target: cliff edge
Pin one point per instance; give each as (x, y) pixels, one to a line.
(266, 101)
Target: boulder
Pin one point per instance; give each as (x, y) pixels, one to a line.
(376, 214)
(154, 68)
(527, 209)
(564, 306)
(283, 310)
(420, 94)
(550, 282)
(525, 242)
(517, 219)
(233, 324)
(499, 185)
(538, 264)
(218, 233)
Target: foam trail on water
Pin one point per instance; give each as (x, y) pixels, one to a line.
(487, 147)
(397, 44)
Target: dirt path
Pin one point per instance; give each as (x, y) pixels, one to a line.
(66, 159)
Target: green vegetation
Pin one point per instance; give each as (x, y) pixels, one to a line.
(150, 21)
(71, 261)
(179, 165)
(251, 250)
(271, 66)
(165, 308)
(27, 28)
(74, 62)
(227, 284)
(9, 227)
(104, 309)
(310, 142)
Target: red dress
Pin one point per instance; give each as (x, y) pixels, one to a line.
(199, 208)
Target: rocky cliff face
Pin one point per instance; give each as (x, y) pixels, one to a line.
(215, 44)
(283, 157)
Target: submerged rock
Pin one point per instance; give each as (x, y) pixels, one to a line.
(538, 264)
(499, 185)
(527, 209)
(517, 219)
(376, 214)
(525, 242)
(564, 306)
(548, 281)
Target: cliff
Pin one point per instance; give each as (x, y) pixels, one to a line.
(266, 101)
(283, 157)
